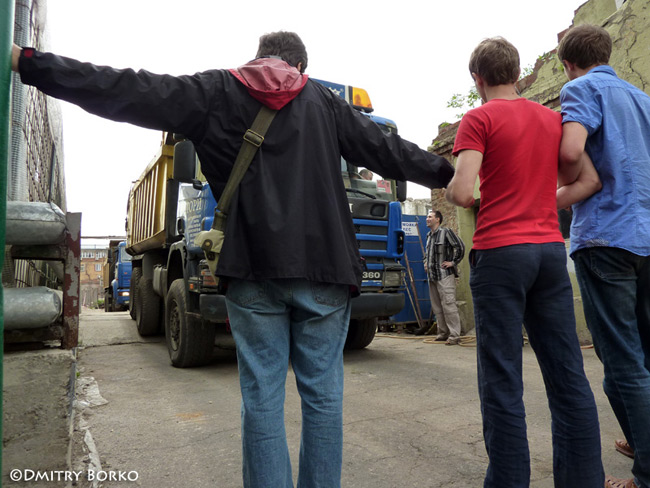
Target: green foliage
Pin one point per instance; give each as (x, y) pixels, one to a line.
(527, 71)
(464, 102)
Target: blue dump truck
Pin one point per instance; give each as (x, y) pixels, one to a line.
(172, 289)
(117, 277)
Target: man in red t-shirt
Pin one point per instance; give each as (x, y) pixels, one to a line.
(519, 276)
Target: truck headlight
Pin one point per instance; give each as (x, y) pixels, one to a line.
(393, 279)
(123, 293)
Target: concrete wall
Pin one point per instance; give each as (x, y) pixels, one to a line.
(628, 22)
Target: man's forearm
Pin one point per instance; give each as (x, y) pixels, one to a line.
(568, 171)
(574, 137)
(452, 196)
(587, 184)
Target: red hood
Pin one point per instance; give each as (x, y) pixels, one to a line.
(271, 81)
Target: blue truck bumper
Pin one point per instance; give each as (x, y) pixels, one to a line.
(122, 301)
(368, 305)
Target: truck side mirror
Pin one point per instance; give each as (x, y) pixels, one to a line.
(185, 164)
(401, 191)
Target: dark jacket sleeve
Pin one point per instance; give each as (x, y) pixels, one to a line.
(364, 143)
(160, 102)
(457, 245)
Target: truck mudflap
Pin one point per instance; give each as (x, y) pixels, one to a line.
(213, 307)
(368, 305)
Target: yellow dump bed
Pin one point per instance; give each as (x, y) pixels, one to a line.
(145, 226)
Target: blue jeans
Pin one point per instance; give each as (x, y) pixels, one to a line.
(275, 322)
(615, 287)
(529, 284)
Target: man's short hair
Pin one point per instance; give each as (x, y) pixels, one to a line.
(585, 45)
(286, 45)
(496, 61)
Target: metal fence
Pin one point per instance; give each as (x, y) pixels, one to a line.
(35, 172)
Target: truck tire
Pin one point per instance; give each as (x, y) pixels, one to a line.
(114, 305)
(190, 341)
(136, 274)
(107, 302)
(361, 333)
(147, 312)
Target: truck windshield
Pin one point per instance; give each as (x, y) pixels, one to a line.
(124, 256)
(362, 179)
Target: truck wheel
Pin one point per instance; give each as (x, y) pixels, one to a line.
(361, 333)
(136, 274)
(147, 312)
(190, 341)
(107, 302)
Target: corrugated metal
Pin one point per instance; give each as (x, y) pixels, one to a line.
(35, 172)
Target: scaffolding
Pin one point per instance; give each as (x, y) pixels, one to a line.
(35, 170)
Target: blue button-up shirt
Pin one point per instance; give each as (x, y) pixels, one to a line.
(616, 115)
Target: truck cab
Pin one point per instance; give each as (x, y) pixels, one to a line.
(117, 277)
(377, 216)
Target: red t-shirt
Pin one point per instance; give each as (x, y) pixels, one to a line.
(520, 141)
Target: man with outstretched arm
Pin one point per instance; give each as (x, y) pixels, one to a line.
(290, 257)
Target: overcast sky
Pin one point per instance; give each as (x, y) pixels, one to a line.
(411, 57)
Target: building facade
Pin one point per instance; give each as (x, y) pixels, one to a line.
(90, 274)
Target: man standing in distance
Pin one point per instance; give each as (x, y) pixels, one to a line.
(444, 252)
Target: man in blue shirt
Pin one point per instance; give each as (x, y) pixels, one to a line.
(610, 233)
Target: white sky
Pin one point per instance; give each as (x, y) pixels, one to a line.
(411, 57)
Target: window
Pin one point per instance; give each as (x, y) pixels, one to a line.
(98, 267)
(83, 267)
(87, 254)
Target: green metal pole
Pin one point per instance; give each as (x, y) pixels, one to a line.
(6, 41)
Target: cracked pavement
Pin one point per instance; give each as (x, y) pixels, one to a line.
(411, 414)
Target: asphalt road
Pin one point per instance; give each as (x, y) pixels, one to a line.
(411, 414)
